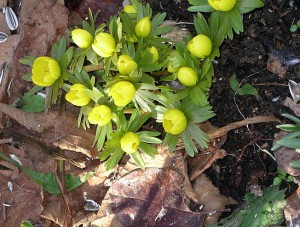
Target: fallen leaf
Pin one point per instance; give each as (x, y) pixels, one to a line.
(288, 102)
(292, 210)
(152, 198)
(275, 65)
(210, 197)
(107, 221)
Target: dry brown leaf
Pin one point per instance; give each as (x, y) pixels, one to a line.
(275, 65)
(152, 197)
(69, 137)
(284, 156)
(108, 221)
(210, 197)
(204, 161)
(24, 201)
(292, 210)
(288, 102)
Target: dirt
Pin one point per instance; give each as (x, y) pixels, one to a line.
(266, 31)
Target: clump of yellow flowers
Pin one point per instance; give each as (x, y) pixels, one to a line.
(121, 75)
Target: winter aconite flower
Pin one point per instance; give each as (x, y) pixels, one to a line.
(174, 121)
(222, 5)
(153, 50)
(77, 96)
(187, 76)
(45, 71)
(126, 64)
(82, 38)
(122, 92)
(104, 44)
(171, 69)
(143, 27)
(130, 142)
(130, 9)
(100, 115)
(200, 46)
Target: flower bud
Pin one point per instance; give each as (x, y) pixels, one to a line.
(174, 121)
(82, 38)
(104, 45)
(154, 53)
(122, 92)
(129, 9)
(143, 27)
(200, 46)
(222, 5)
(130, 142)
(77, 96)
(100, 115)
(45, 71)
(187, 76)
(126, 64)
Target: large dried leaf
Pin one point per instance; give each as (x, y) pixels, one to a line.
(292, 210)
(152, 198)
(211, 198)
(69, 137)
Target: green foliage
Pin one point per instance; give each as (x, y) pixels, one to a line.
(91, 76)
(262, 210)
(282, 177)
(47, 181)
(32, 103)
(231, 20)
(295, 26)
(246, 89)
(291, 140)
(26, 223)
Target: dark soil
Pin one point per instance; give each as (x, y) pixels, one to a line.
(265, 30)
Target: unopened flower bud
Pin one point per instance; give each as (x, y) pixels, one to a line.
(130, 142)
(200, 46)
(222, 5)
(122, 92)
(100, 115)
(153, 50)
(126, 64)
(187, 76)
(45, 71)
(77, 95)
(129, 9)
(82, 38)
(104, 45)
(174, 121)
(143, 27)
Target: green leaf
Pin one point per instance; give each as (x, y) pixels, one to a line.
(137, 120)
(149, 137)
(138, 159)
(289, 127)
(201, 25)
(246, 6)
(33, 103)
(92, 56)
(148, 149)
(27, 77)
(293, 143)
(295, 164)
(198, 96)
(234, 84)
(276, 181)
(170, 141)
(236, 20)
(292, 118)
(47, 181)
(189, 145)
(62, 45)
(247, 89)
(66, 58)
(198, 135)
(26, 223)
(27, 60)
(114, 159)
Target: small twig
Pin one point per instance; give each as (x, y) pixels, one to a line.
(271, 84)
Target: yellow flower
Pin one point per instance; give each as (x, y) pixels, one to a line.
(104, 44)
(130, 142)
(77, 96)
(154, 53)
(143, 27)
(82, 38)
(187, 76)
(126, 64)
(174, 121)
(45, 71)
(122, 92)
(129, 9)
(100, 115)
(222, 5)
(200, 46)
